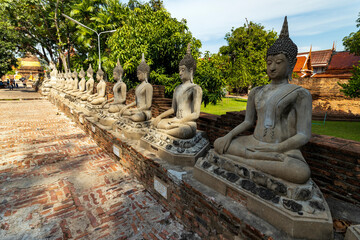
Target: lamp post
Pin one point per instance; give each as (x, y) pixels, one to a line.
(98, 34)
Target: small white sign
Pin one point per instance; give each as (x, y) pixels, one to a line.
(116, 150)
(81, 120)
(71, 111)
(93, 128)
(160, 187)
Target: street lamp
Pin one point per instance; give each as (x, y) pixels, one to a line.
(98, 34)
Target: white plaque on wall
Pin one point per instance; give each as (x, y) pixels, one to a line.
(93, 128)
(161, 187)
(116, 150)
(81, 120)
(71, 111)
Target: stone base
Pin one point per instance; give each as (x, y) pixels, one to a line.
(130, 129)
(183, 152)
(353, 233)
(299, 210)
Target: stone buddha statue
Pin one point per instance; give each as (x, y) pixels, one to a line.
(186, 103)
(119, 91)
(143, 96)
(99, 97)
(82, 84)
(89, 84)
(75, 83)
(282, 115)
(69, 81)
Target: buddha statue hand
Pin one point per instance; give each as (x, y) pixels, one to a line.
(222, 144)
(156, 121)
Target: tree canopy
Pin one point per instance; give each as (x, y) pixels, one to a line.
(245, 55)
(352, 44)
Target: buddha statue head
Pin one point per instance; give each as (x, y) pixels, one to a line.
(100, 75)
(82, 73)
(187, 66)
(118, 71)
(90, 72)
(284, 51)
(143, 70)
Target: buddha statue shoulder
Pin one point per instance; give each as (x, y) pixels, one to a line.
(281, 113)
(89, 84)
(143, 96)
(186, 103)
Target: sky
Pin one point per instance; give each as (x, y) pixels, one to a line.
(316, 23)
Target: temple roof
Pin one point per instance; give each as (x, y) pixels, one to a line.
(319, 58)
(300, 63)
(343, 61)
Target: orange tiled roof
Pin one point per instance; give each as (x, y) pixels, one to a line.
(319, 58)
(300, 63)
(343, 60)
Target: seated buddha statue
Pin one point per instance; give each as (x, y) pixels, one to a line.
(143, 96)
(119, 90)
(89, 84)
(82, 84)
(75, 83)
(282, 114)
(99, 97)
(69, 81)
(186, 103)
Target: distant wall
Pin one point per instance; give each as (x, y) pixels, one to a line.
(328, 98)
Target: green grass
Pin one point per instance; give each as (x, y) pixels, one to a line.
(346, 130)
(226, 105)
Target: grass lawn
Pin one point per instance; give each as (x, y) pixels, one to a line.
(346, 130)
(226, 105)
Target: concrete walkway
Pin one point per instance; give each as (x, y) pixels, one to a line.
(56, 183)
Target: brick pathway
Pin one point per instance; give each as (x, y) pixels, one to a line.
(56, 183)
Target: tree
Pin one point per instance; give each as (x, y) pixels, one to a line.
(352, 44)
(245, 54)
(352, 88)
(7, 48)
(160, 37)
(209, 76)
(39, 26)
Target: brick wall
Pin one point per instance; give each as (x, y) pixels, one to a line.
(328, 98)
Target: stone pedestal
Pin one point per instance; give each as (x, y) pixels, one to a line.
(353, 233)
(183, 152)
(130, 129)
(299, 210)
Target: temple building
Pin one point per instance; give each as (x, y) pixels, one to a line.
(325, 64)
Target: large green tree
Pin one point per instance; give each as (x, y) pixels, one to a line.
(39, 26)
(7, 48)
(245, 54)
(352, 44)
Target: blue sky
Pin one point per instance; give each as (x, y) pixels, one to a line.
(311, 22)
